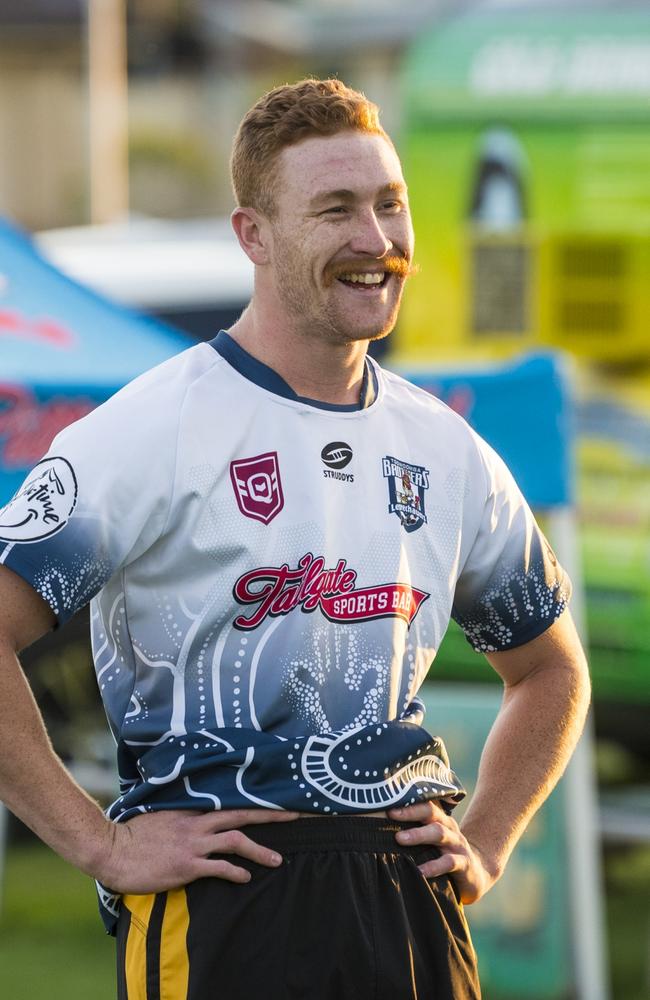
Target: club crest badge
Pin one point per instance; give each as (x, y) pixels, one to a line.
(406, 487)
(257, 485)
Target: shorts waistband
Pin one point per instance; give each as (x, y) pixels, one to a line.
(335, 833)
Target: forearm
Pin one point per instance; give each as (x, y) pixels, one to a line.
(150, 853)
(529, 746)
(34, 783)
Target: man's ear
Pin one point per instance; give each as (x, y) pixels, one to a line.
(252, 231)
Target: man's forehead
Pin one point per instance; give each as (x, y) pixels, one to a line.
(346, 162)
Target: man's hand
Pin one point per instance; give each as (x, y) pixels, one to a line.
(167, 849)
(151, 853)
(458, 858)
(545, 701)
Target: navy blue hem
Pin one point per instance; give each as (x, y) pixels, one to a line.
(527, 633)
(27, 568)
(259, 373)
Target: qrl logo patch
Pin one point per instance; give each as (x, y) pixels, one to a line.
(43, 504)
(257, 486)
(406, 486)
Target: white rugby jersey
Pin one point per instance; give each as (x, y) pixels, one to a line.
(271, 578)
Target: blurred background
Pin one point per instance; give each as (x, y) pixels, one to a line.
(524, 130)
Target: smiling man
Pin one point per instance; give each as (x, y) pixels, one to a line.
(274, 533)
(324, 217)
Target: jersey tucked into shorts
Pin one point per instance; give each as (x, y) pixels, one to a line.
(271, 578)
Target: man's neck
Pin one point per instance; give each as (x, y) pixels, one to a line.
(313, 367)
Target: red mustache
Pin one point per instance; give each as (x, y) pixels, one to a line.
(399, 266)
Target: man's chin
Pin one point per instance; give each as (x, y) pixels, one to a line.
(380, 334)
(368, 330)
(371, 333)
(356, 335)
(350, 329)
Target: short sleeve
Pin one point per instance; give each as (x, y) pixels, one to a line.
(97, 500)
(511, 587)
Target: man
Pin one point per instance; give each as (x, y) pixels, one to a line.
(269, 598)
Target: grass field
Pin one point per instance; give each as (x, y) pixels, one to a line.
(51, 941)
(52, 946)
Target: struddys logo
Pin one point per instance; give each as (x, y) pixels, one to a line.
(278, 590)
(406, 486)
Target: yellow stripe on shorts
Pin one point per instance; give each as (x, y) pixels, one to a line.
(174, 959)
(135, 961)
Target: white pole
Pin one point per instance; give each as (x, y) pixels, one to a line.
(583, 840)
(107, 110)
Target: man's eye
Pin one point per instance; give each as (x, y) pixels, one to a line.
(335, 210)
(391, 206)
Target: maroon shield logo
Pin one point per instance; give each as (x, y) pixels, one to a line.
(257, 486)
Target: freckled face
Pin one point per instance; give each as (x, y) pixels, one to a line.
(342, 239)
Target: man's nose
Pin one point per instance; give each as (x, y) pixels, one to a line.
(369, 236)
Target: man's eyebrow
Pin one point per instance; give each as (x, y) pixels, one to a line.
(393, 187)
(341, 194)
(345, 195)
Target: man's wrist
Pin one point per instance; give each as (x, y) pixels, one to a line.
(101, 853)
(88, 842)
(492, 858)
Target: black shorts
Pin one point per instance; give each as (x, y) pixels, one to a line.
(347, 916)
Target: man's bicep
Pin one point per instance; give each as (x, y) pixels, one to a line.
(558, 647)
(24, 615)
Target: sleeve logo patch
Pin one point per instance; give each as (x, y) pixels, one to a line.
(43, 504)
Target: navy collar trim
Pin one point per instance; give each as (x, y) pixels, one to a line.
(259, 373)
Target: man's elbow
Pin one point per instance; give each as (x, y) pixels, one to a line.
(581, 686)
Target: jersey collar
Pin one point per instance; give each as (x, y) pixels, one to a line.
(259, 373)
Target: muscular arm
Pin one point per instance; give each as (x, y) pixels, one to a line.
(545, 701)
(151, 853)
(33, 781)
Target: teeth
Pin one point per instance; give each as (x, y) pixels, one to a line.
(364, 278)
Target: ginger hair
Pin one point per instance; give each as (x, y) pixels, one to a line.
(284, 116)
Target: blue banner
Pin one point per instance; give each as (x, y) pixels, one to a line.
(523, 409)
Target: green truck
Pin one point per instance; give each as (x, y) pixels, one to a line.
(526, 143)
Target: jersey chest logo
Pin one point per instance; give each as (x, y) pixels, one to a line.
(406, 486)
(277, 590)
(258, 487)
